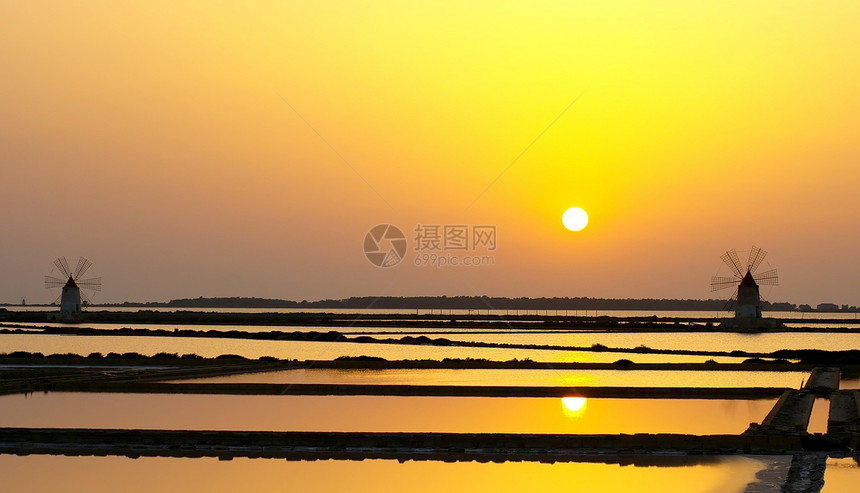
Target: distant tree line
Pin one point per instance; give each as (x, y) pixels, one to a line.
(461, 303)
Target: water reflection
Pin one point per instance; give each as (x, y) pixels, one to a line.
(573, 406)
(819, 415)
(110, 474)
(301, 350)
(702, 341)
(523, 378)
(850, 384)
(710, 341)
(841, 475)
(378, 413)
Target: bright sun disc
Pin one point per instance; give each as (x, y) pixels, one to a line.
(574, 219)
(573, 404)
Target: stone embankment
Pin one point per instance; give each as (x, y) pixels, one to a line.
(823, 381)
(790, 414)
(844, 413)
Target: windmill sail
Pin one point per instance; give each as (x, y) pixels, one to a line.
(755, 259)
(731, 259)
(63, 266)
(768, 278)
(720, 283)
(81, 268)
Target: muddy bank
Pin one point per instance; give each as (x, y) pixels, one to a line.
(267, 363)
(400, 446)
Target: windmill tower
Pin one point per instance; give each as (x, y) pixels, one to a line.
(73, 295)
(747, 279)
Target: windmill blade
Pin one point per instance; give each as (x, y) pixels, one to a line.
(730, 258)
(57, 300)
(94, 284)
(82, 267)
(85, 298)
(719, 283)
(730, 303)
(54, 282)
(63, 266)
(755, 259)
(769, 278)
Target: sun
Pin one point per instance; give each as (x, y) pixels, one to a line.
(573, 405)
(574, 219)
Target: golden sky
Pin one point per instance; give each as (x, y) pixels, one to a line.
(245, 148)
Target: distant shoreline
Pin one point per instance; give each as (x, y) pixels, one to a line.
(464, 303)
(484, 321)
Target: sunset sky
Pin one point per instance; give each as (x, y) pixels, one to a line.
(245, 148)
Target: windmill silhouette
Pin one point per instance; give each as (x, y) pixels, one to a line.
(747, 279)
(74, 288)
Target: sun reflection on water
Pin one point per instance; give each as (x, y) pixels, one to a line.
(573, 406)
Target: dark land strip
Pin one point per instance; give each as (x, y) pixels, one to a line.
(357, 320)
(804, 355)
(420, 390)
(499, 447)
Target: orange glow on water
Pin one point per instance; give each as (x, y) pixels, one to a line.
(108, 474)
(363, 413)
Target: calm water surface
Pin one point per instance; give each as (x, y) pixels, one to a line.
(146, 474)
(547, 377)
(345, 329)
(841, 475)
(707, 341)
(818, 418)
(849, 384)
(380, 413)
(302, 350)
